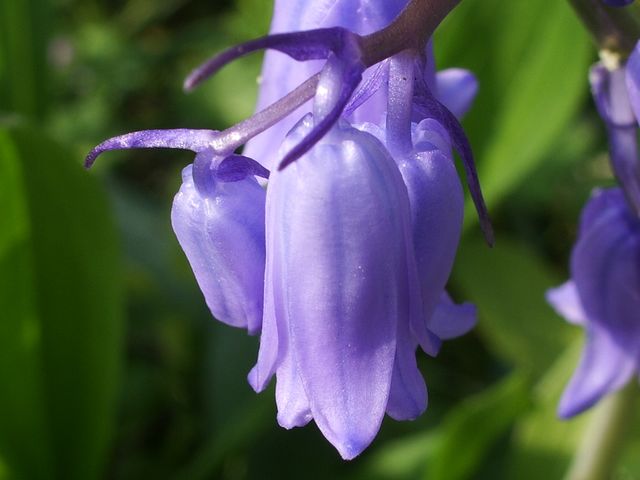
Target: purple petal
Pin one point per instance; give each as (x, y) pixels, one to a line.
(408, 393)
(431, 135)
(601, 201)
(451, 320)
(437, 206)
(238, 167)
(223, 239)
(274, 336)
(614, 104)
(293, 405)
(180, 138)
(633, 79)
(368, 87)
(431, 108)
(345, 258)
(604, 368)
(566, 301)
(457, 88)
(605, 266)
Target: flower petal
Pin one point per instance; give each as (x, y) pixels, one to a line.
(345, 260)
(223, 239)
(457, 88)
(566, 301)
(451, 320)
(605, 266)
(408, 394)
(604, 368)
(437, 206)
(429, 107)
(293, 405)
(274, 336)
(612, 96)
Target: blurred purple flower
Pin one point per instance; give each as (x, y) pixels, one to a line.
(603, 296)
(616, 92)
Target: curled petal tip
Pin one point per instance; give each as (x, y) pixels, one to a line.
(90, 159)
(238, 167)
(179, 138)
(189, 83)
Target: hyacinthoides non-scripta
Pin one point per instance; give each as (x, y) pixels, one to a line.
(341, 265)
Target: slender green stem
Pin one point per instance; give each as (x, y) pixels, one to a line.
(615, 29)
(604, 437)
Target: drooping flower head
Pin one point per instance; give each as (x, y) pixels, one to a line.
(603, 296)
(358, 235)
(344, 311)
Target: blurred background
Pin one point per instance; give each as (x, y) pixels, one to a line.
(111, 366)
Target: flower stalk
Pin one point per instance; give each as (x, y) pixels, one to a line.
(605, 435)
(615, 30)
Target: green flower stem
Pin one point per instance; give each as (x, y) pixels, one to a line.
(604, 437)
(615, 29)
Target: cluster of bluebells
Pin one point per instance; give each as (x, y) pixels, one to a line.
(340, 264)
(603, 295)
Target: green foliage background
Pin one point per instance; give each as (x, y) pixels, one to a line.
(110, 364)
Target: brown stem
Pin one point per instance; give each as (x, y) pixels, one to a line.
(615, 29)
(410, 30)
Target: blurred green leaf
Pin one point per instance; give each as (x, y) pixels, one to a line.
(533, 78)
(23, 42)
(24, 444)
(63, 324)
(544, 445)
(400, 459)
(508, 284)
(472, 428)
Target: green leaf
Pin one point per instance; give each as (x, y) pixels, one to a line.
(531, 59)
(64, 314)
(544, 445)
(23, 43)
(508, 284)
(468, 433)
(24, 444)
(399, 459)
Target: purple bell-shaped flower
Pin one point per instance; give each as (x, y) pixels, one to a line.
(603, 296)
(341, 288)
(218, 217)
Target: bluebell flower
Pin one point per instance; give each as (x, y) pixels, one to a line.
(603, 296)
(355, 237)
